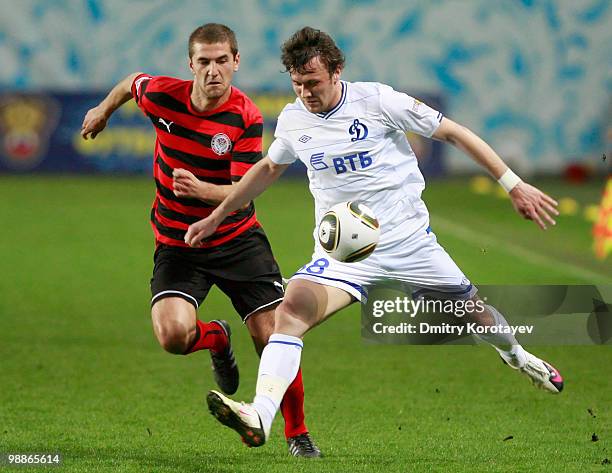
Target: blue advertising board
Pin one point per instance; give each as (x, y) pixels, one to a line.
(40, 133)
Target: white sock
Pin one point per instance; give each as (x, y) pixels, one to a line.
(278, 367)
(505, 343)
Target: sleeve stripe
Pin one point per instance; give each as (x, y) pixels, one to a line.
(253, 131)
(139, 86)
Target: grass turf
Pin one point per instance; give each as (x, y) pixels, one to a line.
(83, 375)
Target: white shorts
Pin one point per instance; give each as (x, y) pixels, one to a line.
(418, 263)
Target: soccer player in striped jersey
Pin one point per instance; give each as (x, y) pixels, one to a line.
(209, 134)
(351, 136)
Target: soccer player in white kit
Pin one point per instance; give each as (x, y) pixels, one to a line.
(351, 137)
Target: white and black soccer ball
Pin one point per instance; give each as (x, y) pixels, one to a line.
(349, 232)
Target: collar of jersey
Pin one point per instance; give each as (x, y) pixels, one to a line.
(326, 115)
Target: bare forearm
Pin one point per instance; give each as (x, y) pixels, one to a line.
(472, 145)
(119, 94)
(528, 201)
(96, 118)
(254, 182)
(187, 184)
(215, 194)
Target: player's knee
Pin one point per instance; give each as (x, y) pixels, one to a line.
(172, 338)
(286, 311)
(481, 314)
(291, 315)
(174, 324)
(172, 343)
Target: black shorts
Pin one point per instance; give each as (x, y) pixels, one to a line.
(243, 268)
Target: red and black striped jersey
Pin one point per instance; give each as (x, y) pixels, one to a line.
(218, 146)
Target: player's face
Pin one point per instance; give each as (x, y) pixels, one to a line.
(213, 66)
(317, 89)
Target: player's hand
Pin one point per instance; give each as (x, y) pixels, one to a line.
(94, 122)
(186, 184)
(533, 204)
(200, 230)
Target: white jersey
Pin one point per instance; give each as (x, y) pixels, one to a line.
(359, 151)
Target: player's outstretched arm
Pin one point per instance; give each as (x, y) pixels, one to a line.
(254, 182)
(95, 118)
(530, 202)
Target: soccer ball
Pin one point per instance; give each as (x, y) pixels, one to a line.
(349, 232)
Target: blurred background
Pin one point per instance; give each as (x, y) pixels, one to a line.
(532, 76)
(81, 369)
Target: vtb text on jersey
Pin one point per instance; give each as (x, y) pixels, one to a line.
(359, 151)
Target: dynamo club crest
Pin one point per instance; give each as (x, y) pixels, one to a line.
(358, 130)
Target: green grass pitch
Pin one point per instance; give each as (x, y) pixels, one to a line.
(82, 374)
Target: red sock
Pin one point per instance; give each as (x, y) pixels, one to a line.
(292, 408)
(208, 336)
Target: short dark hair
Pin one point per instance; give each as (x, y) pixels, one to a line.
(308, 43)
(211, 33)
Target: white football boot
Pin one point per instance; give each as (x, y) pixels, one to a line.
(542, 374)
(241, 417)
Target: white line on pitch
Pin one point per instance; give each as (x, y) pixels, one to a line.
(473, 237)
